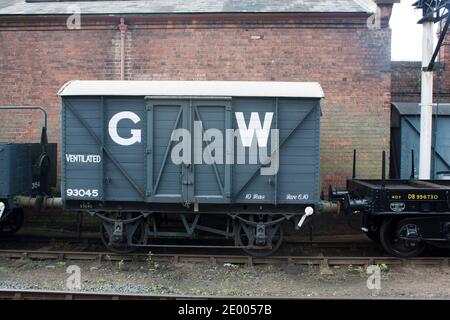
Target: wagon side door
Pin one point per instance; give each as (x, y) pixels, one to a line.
(211, 172)
(167, 181)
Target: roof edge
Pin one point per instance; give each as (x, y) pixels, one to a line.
(192, 88)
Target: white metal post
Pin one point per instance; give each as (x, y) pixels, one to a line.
(426, 109)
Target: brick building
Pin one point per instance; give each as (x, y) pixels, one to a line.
(406, 78)
(339, 44)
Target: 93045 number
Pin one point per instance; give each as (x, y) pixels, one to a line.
(82, 193)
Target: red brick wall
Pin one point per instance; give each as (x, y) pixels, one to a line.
(406, 81)
(351, 62)
(406, 78)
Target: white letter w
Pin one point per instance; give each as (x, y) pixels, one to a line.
(262, 134)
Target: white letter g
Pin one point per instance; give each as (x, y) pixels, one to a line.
(135, 133)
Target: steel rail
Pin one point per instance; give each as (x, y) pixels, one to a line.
(15, 294)
(340, 244)
(221, 259)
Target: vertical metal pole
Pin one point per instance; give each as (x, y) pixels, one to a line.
(123, 30)
(426, 109)
(276, 127)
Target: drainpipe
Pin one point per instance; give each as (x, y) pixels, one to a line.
(123, 30)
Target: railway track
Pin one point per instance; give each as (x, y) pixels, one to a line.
(70, 295)
(220, 259)
(320, 261)
(80, 295)
(356, 247)
(96, 242)
(7, 294)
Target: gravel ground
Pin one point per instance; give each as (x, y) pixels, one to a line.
(227, 280)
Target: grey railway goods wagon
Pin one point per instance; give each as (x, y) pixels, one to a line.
(23, 172)
(15, 171)
(405, 133)
(230, 147)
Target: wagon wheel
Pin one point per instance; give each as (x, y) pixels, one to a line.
(246, 237)
(395, 246)
(13, 222)
(137, 232)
